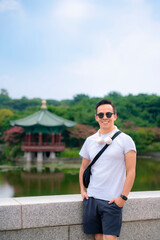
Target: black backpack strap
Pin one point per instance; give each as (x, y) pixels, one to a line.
(104, 148)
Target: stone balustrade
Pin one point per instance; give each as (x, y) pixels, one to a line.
(60, 218)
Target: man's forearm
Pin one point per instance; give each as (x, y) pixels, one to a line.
(81, 178)
(130, 161)
(128, 182)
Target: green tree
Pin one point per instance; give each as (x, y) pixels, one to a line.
(5, 113)
(4, 97)
(142, 137)
(4, 92)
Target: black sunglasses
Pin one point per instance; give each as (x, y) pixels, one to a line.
(108, 114)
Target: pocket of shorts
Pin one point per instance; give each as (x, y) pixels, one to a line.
(117, 205)
(84, 200)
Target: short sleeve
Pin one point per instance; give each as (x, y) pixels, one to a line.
(84, 150)
(128, 144)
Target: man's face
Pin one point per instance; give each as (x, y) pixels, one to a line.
(106, 124)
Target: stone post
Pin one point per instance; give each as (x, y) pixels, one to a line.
(52, 155)
(40, 157)
(28, 156)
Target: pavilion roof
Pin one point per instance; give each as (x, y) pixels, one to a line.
(43, 118)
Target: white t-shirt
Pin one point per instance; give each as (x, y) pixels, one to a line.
(109, 171)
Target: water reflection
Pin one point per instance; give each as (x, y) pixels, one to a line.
(6, 191)
(37, 180)
(28, 166)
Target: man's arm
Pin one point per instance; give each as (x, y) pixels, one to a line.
(130, 161)
(84, 165)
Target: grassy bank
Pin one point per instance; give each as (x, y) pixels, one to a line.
(70, 153)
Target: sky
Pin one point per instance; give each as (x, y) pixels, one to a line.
(56, 49)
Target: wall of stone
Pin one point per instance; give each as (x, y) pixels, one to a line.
(60, 217)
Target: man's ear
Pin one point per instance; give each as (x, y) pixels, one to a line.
(115, 116)
(96, 117)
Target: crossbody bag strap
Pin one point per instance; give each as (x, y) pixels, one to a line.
(103, 149)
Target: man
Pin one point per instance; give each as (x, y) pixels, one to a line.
(112, 175)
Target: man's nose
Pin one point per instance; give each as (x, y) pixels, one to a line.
(104, 117)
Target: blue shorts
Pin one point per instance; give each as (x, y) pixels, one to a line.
(101, 217)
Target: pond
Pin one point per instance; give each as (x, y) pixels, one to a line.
(20, 180)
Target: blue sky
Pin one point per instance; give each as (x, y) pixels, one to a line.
(56, 49)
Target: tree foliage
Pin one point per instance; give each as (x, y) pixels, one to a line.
(138, 115)
(13, 136)
(80, 132)
(4, 114)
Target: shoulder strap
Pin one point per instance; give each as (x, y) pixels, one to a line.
(103, 149)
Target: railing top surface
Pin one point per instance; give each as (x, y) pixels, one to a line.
(70, 198)
(144, 194)
(51, 211)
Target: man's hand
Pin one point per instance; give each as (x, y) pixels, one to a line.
(118, 201)
(84, 194)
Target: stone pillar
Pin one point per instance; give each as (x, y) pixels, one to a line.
(52, 155)
(40, 157)
(28, 156)
(25, 155)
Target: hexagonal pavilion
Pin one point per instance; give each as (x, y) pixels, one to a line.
(42, 134)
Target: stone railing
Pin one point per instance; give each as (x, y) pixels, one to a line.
(60, 218)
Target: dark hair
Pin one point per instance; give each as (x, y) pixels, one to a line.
(106, 101)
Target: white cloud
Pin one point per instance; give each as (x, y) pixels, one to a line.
(9, 5)
(126, 62)
(74, 10)
(71, 9)
(69, 14)
(91, 48)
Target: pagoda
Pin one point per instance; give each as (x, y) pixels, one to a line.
(43, 131)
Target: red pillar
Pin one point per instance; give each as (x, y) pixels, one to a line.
(52, 139)
(45, 138)
(26, 139)
(29, 138)
(40, 138)
(59, 138)
(33, 139)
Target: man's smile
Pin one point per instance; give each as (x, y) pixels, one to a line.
(104, 121)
